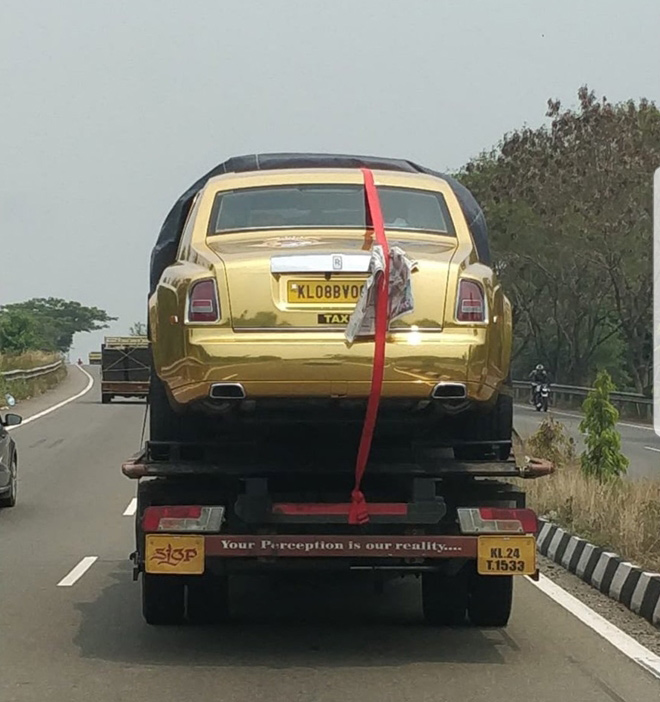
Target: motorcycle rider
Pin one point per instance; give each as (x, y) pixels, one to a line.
(538, 376)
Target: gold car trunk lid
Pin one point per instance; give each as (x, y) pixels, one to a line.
(318, 289)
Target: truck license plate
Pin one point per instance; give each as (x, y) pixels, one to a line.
(506, 555)
(174, 555)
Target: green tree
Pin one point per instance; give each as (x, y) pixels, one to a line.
(569, 207)
(57, 320)
(602, 458)
(18, 332)
(138, 329)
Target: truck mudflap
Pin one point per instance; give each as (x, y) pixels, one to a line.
(191, 554)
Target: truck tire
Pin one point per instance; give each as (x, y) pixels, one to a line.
(162, 599)
(208, 599)
(490, 601)
(494, 425)
(105, 398)
(444, 599)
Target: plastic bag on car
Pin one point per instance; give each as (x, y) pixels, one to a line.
(363, 320)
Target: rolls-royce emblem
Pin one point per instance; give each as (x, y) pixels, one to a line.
(336, 263)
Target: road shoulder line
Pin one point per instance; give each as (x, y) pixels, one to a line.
(607, 572)
(573, 415)
(611, 633)
(59, 405)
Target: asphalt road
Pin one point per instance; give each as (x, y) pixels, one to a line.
(310, 641)
(639, 443)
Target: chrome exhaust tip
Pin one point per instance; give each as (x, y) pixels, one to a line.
(449, 391)
(227, 391)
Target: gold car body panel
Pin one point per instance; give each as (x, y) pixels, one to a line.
(277, 348)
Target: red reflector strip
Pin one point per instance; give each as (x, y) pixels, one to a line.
(391, 509)
(497, 520)
(526, 517)
(179, 518)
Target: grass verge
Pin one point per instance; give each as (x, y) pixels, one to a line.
(25, 389)
(621, 515)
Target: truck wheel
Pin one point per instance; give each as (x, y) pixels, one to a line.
(444, 599)
(164, 423)
(491, 598)
(495, 425)
(208, 599)
(105, 398)
(162, 599)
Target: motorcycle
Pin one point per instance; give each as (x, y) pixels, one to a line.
(541, 396)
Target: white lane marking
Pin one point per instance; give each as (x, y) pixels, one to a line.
(579, 416)
(72, 577)
(619, 639)
(651, 448)
(43, 413)
(131, 509)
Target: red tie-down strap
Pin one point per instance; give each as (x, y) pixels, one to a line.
(358, 511)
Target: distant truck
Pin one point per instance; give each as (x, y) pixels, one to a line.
(94, 358)
(125, 367)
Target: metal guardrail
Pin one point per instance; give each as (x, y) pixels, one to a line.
(30, 373)
(629, 404)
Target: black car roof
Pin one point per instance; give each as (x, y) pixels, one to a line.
(164, 252)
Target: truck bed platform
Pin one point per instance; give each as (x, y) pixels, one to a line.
(176, 459)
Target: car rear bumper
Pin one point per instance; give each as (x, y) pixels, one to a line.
(314, 366)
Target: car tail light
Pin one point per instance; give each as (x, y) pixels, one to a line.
(471, 302)
(203, 302)
(183, 518)
(497, 520)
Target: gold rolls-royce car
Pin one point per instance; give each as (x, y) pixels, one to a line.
(255, 275)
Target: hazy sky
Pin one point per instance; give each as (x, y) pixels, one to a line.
(110, 109)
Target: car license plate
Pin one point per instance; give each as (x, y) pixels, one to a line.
(175, 555)
(506, 555)
(314, 292)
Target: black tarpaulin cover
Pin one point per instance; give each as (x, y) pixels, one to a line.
(164, 252)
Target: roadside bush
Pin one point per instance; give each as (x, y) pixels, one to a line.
(602, 458)
(550, 441)
(620, 515)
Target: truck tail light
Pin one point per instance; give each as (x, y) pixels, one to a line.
(471, 302)
(497, 520)
(183, 518)
(203, 302)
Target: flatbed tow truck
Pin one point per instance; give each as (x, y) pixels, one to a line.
(205, 512)
(274, 499)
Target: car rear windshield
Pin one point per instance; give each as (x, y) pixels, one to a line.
(327, 206)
